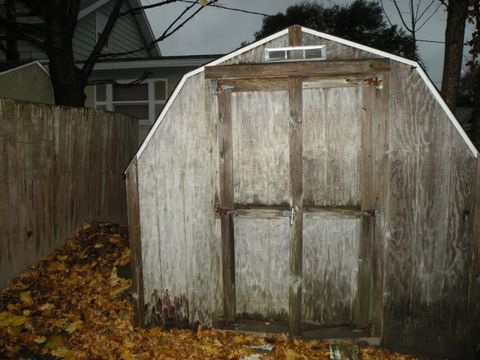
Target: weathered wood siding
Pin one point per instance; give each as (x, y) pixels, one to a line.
(381, 180)
(427, 246)
(335, 51)
(177, 183)
(60, 168)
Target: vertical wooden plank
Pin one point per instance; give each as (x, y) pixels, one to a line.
(296, 191)
(295, 35)
(134, 236)
(296, 188)
(380, 188)
(369, 111)
(474, 274)
(226, 201)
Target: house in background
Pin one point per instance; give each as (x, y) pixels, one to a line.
(136, 84)
(140, 87)
(13, 79)
(131, 31)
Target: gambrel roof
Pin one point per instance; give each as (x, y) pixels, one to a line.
(415, 65)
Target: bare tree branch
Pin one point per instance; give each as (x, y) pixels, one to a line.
(95, 54)
(146, 7)
(164, 35)
(24, 32)
(401, 16)
(385, 13)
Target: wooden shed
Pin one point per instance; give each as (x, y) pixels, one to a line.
(315, 183)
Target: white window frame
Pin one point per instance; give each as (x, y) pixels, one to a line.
(300, 50)
(109, 103)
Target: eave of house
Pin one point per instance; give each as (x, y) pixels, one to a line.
(88, 6)
(16, 68)
(160, 62)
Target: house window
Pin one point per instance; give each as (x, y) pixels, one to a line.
(144, 101)
(101, 22)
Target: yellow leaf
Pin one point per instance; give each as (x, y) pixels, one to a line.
(40, 339)
(203, 2)
(210, 349)
(128, 344)
(18, 320)
(57, 266)
(115, 238)
(86, 226)
(14, 331)
(27, 312)
(62, 257)
(73, 326)
(26, 298)
(46, 307)
(125, 354)
(60, 352)
(12, 307)
(98, 245)
(291, 355)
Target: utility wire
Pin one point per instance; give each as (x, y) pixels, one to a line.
(230, 8)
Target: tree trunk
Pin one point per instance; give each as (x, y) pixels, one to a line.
(12, 54)
(475, 130)
(67, 79)
(454, 37)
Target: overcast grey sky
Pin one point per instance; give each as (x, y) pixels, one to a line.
(215, 31)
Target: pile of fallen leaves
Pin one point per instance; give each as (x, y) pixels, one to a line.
(73, 304)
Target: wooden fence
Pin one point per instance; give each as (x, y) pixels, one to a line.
(59, 168)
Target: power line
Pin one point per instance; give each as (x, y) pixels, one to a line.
(436, 41)
(229, 8)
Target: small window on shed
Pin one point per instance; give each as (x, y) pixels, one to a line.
(296, 53)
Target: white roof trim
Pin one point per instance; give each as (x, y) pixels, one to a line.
(172, 98)
(84, 12)
(417, 66)
(36, 62)
(157, 63)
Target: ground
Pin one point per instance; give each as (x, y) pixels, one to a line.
(75, 304)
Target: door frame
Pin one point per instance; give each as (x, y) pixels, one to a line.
(290, 76)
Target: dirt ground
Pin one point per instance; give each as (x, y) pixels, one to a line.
(74, 304)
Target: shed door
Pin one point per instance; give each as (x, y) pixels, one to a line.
(291, 188)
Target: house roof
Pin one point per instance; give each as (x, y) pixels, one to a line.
(88, 6)
(6, 68)
(156, 62)
(415, 65)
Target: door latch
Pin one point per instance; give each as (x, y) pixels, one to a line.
(291, 214)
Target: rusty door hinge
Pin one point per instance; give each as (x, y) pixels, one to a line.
(377, 81)
(222, 211)
(374, 213)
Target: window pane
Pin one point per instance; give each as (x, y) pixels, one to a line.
(130, 93)
(160, 93)
(138, 111)
(100, 92)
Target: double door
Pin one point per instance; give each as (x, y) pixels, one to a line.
(295, 170)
